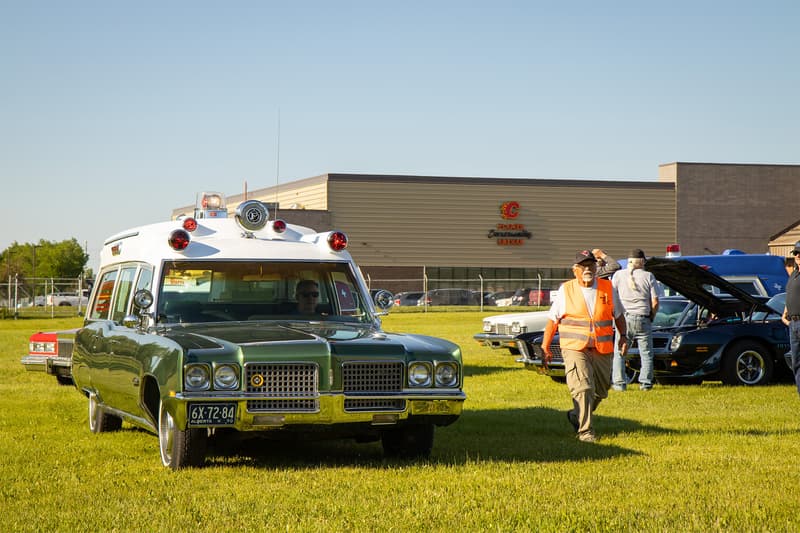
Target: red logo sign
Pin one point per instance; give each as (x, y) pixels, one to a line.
(509, 210)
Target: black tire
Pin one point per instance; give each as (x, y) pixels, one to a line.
(99, 420)
(180, 448)
(409, 442)
(514, 351)
(65, 380)
(747, 363)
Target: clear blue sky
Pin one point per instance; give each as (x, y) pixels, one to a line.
(113, 113)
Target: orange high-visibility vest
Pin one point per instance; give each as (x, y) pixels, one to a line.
(575, 329)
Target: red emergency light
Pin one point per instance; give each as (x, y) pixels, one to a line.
(337, 241)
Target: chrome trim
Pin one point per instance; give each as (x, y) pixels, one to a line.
(426, 394)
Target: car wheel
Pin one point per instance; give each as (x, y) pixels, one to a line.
(65, 380)
(409, 442)
(179, 448)
(99, 420)
(746, 363)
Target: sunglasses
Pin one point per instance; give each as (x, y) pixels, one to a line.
(314, 294)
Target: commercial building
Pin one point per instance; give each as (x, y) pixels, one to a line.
(403, 229)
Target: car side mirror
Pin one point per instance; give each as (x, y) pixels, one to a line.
(384, 300)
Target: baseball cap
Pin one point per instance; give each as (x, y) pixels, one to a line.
(797, 246)
(584, 256)
(636, 253)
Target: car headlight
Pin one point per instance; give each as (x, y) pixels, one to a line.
(446, 375)
(419, 374)
(516, 327)
(226, 377)
(675, 342)
(487, 326)
(196, 377)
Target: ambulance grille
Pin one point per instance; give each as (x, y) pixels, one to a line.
(288, 386)
(373, 377)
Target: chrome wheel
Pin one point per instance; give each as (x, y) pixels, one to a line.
(747, 363)
(166, 435)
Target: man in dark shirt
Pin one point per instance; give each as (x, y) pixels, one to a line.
(791, 314)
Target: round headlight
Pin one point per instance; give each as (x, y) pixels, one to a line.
(419, 375)
(675, 342)
(226, 377)
(446, 375)
(195, 377)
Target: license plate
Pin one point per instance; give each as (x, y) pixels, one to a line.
(212, 414)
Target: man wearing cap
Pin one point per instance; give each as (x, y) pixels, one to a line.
(791, 314)
(639, 293)
(583, 312)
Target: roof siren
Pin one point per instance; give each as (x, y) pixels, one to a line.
(252, 215)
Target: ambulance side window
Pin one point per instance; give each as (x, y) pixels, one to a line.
(123, 294)
(102, 301)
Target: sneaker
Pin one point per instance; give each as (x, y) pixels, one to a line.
(587, 437)
(645, 387)
(620, 388)
(573, 420)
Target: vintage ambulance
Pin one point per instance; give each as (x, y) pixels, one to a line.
(212, 327)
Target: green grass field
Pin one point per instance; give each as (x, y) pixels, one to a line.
(679, 458)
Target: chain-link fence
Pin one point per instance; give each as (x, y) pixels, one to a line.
(479, 291)
(54, 295)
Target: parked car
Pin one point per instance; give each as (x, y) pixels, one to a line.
(723, 333)
(51, 352)
(407, 298)
(196, 331)
(502, 298)
(450, 297)
(529, 296)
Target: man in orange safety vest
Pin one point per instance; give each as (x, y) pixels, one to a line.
(584, 312)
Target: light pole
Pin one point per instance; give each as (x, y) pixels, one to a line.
(35, 246)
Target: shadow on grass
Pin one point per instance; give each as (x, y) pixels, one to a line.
(533, 434)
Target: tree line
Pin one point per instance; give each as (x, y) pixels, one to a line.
(44, 259)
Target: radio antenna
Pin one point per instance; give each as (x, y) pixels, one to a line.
(278, 164)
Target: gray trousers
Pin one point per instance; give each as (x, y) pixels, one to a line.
(588, 380)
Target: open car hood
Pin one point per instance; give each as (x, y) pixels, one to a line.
(693, 282)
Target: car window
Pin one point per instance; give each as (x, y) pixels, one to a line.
(122, 296)
(669, 311)
(102, 302)
(206, 291)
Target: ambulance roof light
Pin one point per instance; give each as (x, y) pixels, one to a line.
(210, 205)
(673, 250)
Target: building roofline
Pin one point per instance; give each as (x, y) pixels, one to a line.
(788, 165)
(561, 182)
